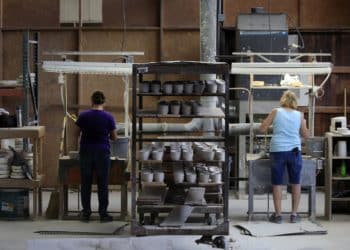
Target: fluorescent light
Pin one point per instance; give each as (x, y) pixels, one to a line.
(317, 68)
(103, 68)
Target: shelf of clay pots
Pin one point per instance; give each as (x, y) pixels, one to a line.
(169, 161)
(187, 138)
(206, 113)
(183, 94)
(200, 184)
(153, 183)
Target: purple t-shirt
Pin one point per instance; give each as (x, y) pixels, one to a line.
(95, 126)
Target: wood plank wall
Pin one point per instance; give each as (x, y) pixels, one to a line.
(164, 30)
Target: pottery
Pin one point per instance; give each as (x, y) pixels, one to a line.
(216, 177)
(199, 87)
(220, 86)
(187, 155)
(211, 86)
(195, 195)
(188, 88)
(207, 154)
(191, 177)
(144, 154)
(186, 108)
(178, 88)
(175, 107)
(175, 155)
(204, 177)
(155, 86)
(144, 87)
(146, 176)
(195, 107)
(157, 155)
(163, 108)
(167, 88)
(158, 176)
(178, 177)
(220, 155)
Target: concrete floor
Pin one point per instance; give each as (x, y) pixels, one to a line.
(15, 234)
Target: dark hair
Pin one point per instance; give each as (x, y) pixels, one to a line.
(98, 98)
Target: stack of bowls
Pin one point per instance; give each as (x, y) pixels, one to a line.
(4, 167)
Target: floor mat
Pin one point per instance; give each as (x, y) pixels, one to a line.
(266, 229)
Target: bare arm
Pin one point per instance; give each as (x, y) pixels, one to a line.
(303, 128)
(113, 135)
(268, 121)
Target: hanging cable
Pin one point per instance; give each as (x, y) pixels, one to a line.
(124, 25)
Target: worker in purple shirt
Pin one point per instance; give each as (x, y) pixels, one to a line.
(97, 128)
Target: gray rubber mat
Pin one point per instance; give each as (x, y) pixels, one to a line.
(265, 228)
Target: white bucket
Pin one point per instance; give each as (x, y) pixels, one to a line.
(342, 149)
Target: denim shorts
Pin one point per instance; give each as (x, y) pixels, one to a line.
(280, 160)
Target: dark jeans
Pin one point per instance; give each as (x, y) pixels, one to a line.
(98, 161)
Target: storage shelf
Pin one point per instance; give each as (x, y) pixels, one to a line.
(282, 87)
(192, 94)
(19, 183)
(183, 139)
(341, 199)
(340, 158)
(332, 175)
(170, 161)
(215, 205)
(339, 178)
(206, 113)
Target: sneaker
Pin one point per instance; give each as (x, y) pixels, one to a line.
(84, 217)
(106, 218)
(275, 218)
(295, 218)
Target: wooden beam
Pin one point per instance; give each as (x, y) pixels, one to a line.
(341, 70)
(326, 109)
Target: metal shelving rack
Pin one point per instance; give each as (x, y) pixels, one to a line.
(31, 89)
(334, 183)
(139, 227)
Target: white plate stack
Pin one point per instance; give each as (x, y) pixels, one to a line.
(29, 160)
(19, 144)
(4, 168)
(17, 172)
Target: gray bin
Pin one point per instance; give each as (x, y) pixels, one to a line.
(120, 147)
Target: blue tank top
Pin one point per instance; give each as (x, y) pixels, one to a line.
(286, 130)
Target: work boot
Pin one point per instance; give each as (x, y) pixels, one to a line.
(84, 217)
(105, 218)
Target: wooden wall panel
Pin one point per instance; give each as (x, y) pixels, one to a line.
(183, 13)
(12, 65)
(324, 14)
(138, 12)
(113, 87)
(234, 7)
(31, 13)
(181, 45)
(51, 109)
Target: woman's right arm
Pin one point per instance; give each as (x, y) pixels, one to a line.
(268, 121)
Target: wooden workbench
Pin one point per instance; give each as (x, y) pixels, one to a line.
(69, 174)
(36, 134)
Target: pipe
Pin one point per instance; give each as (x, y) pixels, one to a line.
(195, 125)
